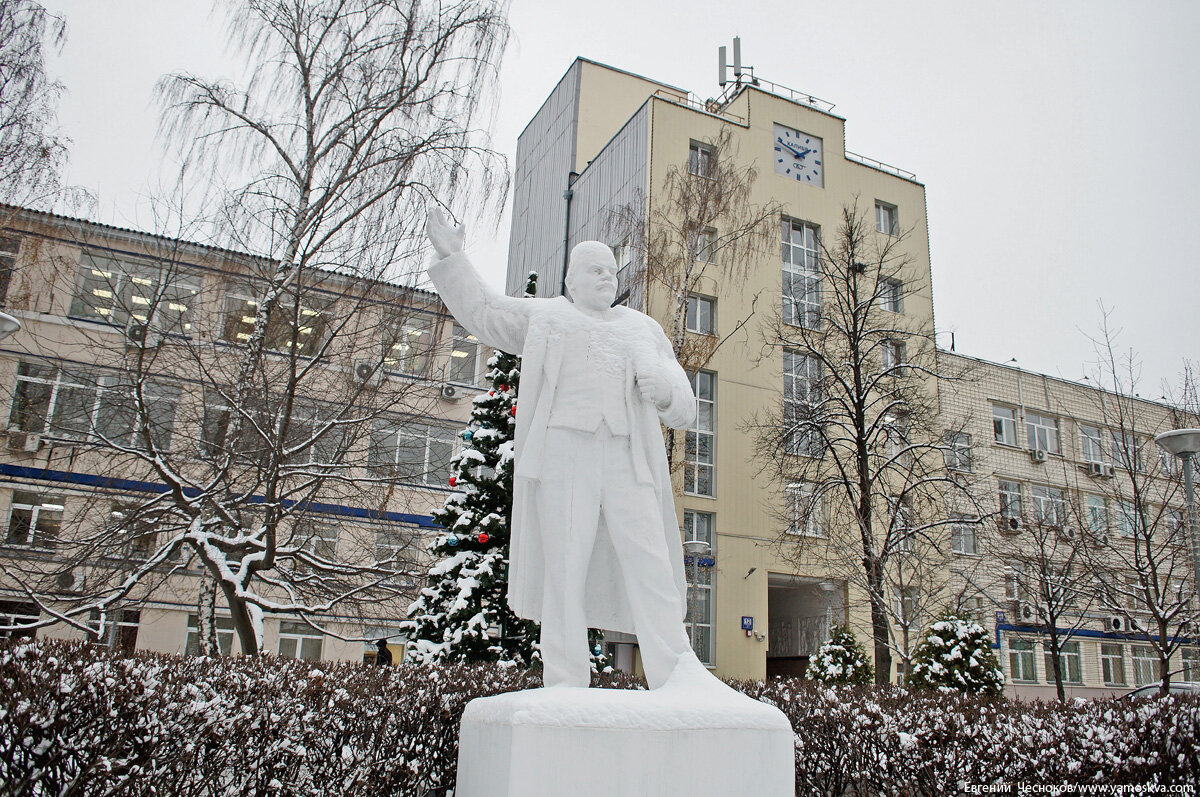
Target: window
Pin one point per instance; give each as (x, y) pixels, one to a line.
(699, 606)
(1021, 664)
(1010, 500)
(1068, 663)
(85, 404)
(465, 353)
(702, 159)
(807, 511)
(957, 451)
(318, 539)
(118, 630)
(224, 635)
(701, 314)
(408, 344)
(801, 275)
(299, 641)
(893, 357)
(1169, 463)
(962, 537)
(1127, 450)
(288, 326)
(1147, 668)
(413, 451)
(698, 526)
(905, 605)
(1041, 432)
(1191, 664)
(1112, 664)
(1089, 444)
(706, 246)
(885, 218)
(1127, 518)
(891, 295)
(1095, 515)
(1014, 582)
(395, 550)
(895, 430)
(135, 523)
(9, 247)
(34, 520)
(1004, 425)
(14, 613)
(120, 292)
(802, 397)
(1049, 505)
(700, 440)
(900, 522)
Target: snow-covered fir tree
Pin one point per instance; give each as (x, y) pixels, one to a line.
(463, 614)
(841, 660)
(956, 655)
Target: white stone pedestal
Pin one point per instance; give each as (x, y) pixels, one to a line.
(569, 742)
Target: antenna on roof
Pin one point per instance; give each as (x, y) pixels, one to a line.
(738, 70)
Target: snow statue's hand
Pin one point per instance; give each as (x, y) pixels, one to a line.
(446, 240)
(653, 387)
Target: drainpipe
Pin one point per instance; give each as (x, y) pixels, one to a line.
(567, 194)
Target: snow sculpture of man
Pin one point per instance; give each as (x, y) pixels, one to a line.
(595, 539)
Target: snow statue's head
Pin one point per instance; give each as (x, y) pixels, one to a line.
(592, 275)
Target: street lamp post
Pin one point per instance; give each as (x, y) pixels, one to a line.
(8, 325)
(694, 549)
(1185, 444)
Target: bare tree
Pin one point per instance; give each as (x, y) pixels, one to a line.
(357, 113)
(702, 223)
(857, 433)
(1142, 567)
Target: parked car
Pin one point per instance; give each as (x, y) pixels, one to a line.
(1152, 690)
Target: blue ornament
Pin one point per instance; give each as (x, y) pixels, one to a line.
(467, 435)
(597, 650)
(452, 539)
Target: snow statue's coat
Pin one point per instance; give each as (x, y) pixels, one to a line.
(540, 329)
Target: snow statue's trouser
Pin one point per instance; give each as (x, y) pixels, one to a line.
(591, 477)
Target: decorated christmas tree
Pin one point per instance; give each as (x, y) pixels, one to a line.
(956, 655)
(463, 614)
(841, 660)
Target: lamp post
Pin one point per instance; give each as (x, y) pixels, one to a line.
(829, 587)
(694, 549)
(1185, 444)
(8, 325)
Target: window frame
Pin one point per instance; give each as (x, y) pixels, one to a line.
(1143, 658)
(168, 283)
(461, 336)
(692, 314)
(1010, 501)
(957, 455)
(699, 471)
(1004, 428)
(1049, 505)
(1111, 652)
(1041, 428)
(1070, 663)
(388, 433)
(1091, 447)
(807, 307)
(891, 295)
(702, 159)
(893, 357)
(807, 511)
(1018, 658)
(886, 212)
(299, 634)
(36, 538)
(962, 529)
(803, 391)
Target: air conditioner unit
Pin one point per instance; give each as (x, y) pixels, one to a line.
(1093, 468)
(139, 334)
(1027, 613)
(1106, 470)
(1037, 455)
(28, 442)
(368, 373)
(70, 581)
(450, 392)
(1100, 540)
(1009, 524)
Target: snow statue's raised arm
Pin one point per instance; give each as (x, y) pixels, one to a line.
(499, 321)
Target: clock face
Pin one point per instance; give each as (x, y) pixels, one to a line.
(799, 156)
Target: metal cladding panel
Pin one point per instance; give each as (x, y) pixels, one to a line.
(545, 152)
(615, 179)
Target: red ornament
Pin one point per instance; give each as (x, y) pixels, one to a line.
(453, 480)
(483, 537)
(504, 388)
(491, 392)
(513, 411)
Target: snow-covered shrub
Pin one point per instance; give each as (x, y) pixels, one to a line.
(956, 656)
(841, 660)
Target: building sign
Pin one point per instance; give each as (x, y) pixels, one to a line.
(747, 623)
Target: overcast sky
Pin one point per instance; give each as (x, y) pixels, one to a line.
(1057, 141)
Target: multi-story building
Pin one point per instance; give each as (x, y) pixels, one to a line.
(381, 384)
(1080, 515)
(607, 143)
(605, 139)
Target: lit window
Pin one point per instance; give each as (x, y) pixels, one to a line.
(121, 292)
(801, 275)
(1004, 425)
(34, 520)
(702, 159)
(465, 355)
(891, 295)
(700, 440)
(288, 327)
(885, 218)
(408, 343)
(701, 312)
(1041, 431)
(299, 641)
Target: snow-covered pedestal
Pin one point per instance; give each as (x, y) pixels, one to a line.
(572, 742)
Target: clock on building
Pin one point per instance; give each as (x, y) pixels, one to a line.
(798, 155)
